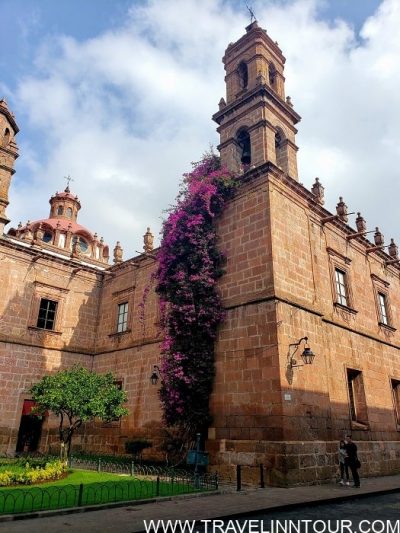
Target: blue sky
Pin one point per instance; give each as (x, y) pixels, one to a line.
(119, 95)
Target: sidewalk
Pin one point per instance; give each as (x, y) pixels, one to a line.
(226, 504)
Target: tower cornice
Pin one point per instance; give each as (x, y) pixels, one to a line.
(262, 91)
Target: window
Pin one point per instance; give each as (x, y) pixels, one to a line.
(382, 300)
(47, 314)
(280, 150)
(396, 399)
(47, 236)
(243, 75)
(341, 287)
(82, 244)
(60, 210)
(272, 76)
(69, 212)
(357, 401)
(383, 309)
(6, 138)
(122, 320)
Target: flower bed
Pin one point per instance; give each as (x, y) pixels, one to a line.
(21, 472)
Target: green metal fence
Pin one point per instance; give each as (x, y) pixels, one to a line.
(35, 498)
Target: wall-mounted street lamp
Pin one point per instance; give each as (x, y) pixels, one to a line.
(155, 376)
(307, 355)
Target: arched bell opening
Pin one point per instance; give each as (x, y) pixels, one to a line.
(281, 150)
(243, 75)
(244, 145)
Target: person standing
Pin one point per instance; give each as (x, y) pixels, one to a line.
(352, 460)
(344, 469)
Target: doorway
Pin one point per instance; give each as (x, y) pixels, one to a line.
(30, 429)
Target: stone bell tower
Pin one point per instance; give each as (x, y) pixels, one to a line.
(8, 155)
(256, 122)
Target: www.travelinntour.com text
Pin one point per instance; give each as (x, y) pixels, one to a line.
(272, 526)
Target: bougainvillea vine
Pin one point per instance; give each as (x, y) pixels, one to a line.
(191, 310)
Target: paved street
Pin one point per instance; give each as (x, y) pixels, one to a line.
(277, 502)
(376, 507)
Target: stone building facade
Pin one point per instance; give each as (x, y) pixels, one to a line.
(294, 270)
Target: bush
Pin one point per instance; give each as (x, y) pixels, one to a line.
(135, 447)
(31, 474)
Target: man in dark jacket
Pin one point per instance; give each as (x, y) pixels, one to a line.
(352, 459)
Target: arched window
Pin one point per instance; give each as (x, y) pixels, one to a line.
(60, 210)
(47, 236)
(243, 75)
(69, 212)
(243, 140)
(272, 76)
(6, 138)
(281, 150)
(82, 244)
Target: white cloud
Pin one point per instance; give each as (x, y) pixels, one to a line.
(125, 112)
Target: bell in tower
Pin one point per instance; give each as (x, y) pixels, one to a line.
(243, 140)
(257, 124)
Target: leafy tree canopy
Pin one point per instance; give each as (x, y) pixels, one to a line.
(77, 395)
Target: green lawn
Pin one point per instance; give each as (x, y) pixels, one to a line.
(96, 488)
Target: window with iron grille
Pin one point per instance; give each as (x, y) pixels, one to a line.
(383, 309)
(122, 320)
(341, 287)
(47, 314)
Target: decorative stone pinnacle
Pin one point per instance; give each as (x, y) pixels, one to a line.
(222, 103)
(148, 240)
(75, 248)
(360, 223)
(318, 191)
(341, 210)
(289, 101)
(378, 238)
(118, 251)
(393, 249)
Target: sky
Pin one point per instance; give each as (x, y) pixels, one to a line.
(119, 95)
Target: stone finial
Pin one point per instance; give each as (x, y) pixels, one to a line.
(69, 228)
(361, 224)
(221, 104)
(118, 251)
(393, 249)
(75, 248)
(39, 233)
(378, 238)
(289, 101)
(148, 240)
(28, 235)
(95, 237)
(341, 210)
(318, 191)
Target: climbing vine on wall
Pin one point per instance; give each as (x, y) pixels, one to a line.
(191, 310)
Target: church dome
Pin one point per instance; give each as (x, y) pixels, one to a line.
(62, 231)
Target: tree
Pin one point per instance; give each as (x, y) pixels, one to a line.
(77, 395)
